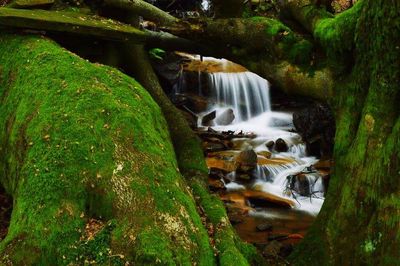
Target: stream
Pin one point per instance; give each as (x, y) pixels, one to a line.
(239, 104)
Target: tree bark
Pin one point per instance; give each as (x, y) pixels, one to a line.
(359, 223)
(144, 9)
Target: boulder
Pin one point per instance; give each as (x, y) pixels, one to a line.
(303, 185)
(225, 118)
(196, 103)
(281, 146)
(207, 119)
(247, 160)
(270, 144)
(316, 126)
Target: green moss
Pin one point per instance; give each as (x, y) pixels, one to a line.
(157, 53)
(359, 218)
(83, 141)
(337, 34)
(69, 22)
(301, 52)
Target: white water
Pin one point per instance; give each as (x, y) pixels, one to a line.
(244, 92)
(247, 94)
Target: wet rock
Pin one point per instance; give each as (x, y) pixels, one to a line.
(274, 161)
(300, 184)
(196, 103)
(244, 176)
(265, 154)
(215, 185)
(190, 102)
(216, 173)
(270, 144)
(206, 120)
(272, 249)
(281, 146)
(247, 160)
(303, 185)
(239, 143)
(264, 227)
(264, 199)
(316, 126)
(213, 146)
(226, 118)
(223, 160)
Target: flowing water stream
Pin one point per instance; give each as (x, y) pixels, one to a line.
(247, 95)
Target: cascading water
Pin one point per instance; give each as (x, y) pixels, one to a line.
(247, 95)
(245, 92)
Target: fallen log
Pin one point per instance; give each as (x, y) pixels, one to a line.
(77, 23)
(71, 22)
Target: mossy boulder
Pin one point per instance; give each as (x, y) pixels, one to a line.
(84, 144)
(87, 157)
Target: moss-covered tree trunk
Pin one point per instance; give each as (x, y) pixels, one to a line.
(87, 157)
(360, 220)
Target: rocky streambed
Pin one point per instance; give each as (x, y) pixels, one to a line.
(272, 222)
(268, 157)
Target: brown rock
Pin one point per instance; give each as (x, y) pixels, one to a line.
(215, 185)
(265, 154)
(223, 160)
(265, 199)
(247, 160)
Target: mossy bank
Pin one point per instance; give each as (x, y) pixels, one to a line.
(87, 157)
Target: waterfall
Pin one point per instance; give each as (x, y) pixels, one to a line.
(241, 101)
(245, 92)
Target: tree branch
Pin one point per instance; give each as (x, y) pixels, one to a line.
(333, 32)
(70, 22)
(144, 9)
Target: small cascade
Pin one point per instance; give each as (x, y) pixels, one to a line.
(239, 101)
(269, 172)
(245, 92)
